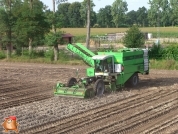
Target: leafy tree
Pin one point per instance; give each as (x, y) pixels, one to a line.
(63, 20)
(131, 18)
(104, 17)
(134, 38)
(6, 24)
(119, 8)
(74, 14)
(100, 18)
(108, 16)
(54, 24)
(49, 17)
(174, 11)
(142, 16)
(165, 8)
(84, 8)
(154, 12)
(31, 24)
(159, 12)
(85, 12)
(52, 38)
(93, 18)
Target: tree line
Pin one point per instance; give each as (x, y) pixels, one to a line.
(160, 13)
(29, 22)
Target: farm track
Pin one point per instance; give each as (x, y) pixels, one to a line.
(14, 94)
(87, 121)
(26, 91)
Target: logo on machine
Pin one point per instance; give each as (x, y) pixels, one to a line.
(10, 124)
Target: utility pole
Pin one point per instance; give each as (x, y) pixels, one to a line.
(88, 25)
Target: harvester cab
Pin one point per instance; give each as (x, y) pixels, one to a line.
(104, 64)
(107, 69)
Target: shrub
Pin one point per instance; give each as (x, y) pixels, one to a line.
(134, 38)
(63, 55)
(156, 52)
(2, 55)
(49, 54)
(171, 52)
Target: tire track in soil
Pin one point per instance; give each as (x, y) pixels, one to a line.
(20, 91)
(162, 127)
(21, 101)
(158, 114)
(22, 94)
(43, 72)
(110, 117)
(82, 119)
(17, 89)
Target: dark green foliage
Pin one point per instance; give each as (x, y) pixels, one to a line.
(62, 18)
(156, 52)
(63, 55)
(104, 17)
(53, 39)
(168, 53)
(31, 24)
(141, 16)
(134, 38)
(2, 55)
(171, 52)
(74, 15)
(49, 54)
(18, 51)
(83, 13)
(39, 54)
(131, 18)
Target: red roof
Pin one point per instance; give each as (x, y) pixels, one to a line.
(67, 35)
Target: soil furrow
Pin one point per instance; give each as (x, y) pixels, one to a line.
(108, 109)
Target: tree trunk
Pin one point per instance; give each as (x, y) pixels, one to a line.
(172, 23)
(56, 50)
(88, 25)
(53, 25)
(0, 46)
(8, 50)
(30, 46)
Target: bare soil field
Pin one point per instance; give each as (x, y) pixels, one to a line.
(26, 91)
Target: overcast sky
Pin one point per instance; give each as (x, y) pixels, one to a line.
(132, 4)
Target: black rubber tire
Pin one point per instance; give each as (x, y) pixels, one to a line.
(99, 87)
(89, 93)
(71, 82)
(134, 80)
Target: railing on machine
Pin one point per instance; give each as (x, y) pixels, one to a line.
(83, 52)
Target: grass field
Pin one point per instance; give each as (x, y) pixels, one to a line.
(103, 31)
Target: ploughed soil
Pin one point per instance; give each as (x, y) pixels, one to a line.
(26, 91)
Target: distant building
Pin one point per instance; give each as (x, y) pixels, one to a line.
(68, 38)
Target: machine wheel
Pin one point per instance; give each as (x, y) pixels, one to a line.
(71, 82)
(134, 80)
(99, 87)
(89, 93)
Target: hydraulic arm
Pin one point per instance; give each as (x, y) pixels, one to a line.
(83, 52)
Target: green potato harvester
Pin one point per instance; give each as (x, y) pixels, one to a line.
(108, 70)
